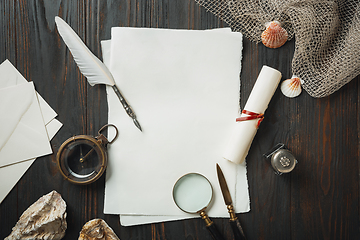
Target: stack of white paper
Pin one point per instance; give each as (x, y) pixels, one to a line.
(184, 87)
(27, 122)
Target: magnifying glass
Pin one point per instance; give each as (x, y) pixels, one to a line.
(193, 193)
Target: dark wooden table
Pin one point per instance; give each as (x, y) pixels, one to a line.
(318, 200)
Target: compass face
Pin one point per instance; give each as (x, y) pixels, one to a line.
(82, 159)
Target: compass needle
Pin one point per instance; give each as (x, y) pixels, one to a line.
(82, 159)
(81, 155)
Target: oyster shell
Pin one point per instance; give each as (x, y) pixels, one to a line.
(291, 87)
(274, 35)
(44, 219)
(97, 229)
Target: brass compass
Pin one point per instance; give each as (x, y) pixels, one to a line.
(82, 159)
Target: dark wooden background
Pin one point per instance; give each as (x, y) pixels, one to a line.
(318, 200)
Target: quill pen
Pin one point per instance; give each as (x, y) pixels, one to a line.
(90, 66)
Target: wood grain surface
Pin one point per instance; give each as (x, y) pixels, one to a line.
(318, 200)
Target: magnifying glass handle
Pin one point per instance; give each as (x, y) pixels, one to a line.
(211, 227)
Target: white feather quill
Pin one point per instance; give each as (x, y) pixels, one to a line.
(90, 66)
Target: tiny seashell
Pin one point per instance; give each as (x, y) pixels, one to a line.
(291, 87)
(97, 229)
(274, 35)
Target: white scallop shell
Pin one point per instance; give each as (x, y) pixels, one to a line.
(291, 87)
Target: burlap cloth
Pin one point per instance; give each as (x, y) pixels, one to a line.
(327, 35)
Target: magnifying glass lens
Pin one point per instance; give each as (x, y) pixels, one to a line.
(192, 193)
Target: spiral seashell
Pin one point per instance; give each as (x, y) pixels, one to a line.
(97, 229)
(291, 87)
(274, 35)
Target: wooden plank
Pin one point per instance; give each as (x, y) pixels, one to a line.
(325, 190)
(319, 200)
(10, 213)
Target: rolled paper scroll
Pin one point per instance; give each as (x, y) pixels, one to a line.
(252, 115)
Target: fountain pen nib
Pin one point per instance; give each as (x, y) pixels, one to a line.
(137, 124)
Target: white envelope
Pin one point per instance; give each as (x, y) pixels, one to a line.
(21, 125)
(10, 175)
(11, 77)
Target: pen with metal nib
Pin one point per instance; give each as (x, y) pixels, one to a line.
(127, 107)
(234, 221)
(90, 66)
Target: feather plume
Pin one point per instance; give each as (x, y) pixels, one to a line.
(90, 66)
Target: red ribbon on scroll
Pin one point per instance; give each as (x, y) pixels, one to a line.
(251, 116)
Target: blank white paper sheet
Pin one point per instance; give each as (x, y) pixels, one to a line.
(184, 88)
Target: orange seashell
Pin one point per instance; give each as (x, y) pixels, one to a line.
(274, 35)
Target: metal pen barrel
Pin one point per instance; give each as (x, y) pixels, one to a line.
(126, 106)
